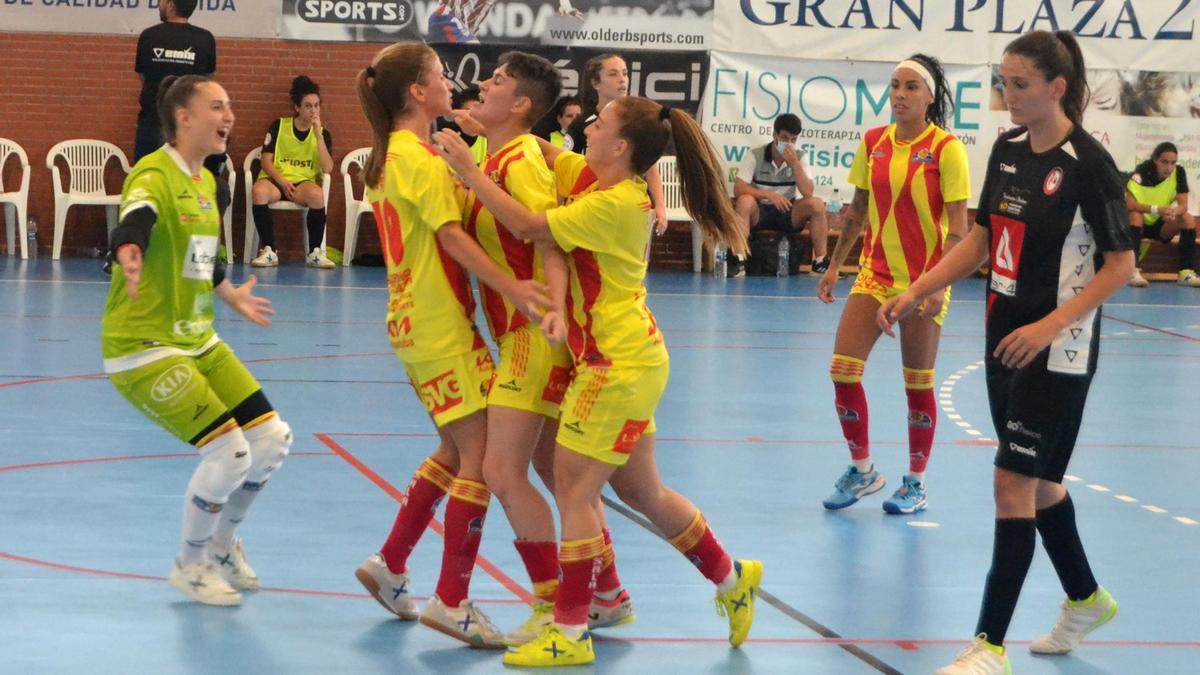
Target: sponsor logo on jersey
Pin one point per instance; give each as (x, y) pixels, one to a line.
(575, 426)
(629, 436)
(200, 258)
(923, 156)
(175, 55)
(1020, 428)
(441, 393)
(511, 385)
(1020, 449)
(1009, 237)
(1008, 168)
(1053, 181)
(184, 328)
(171, 383)
(556, 386)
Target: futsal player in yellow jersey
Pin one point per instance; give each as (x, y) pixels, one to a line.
(911, 184)
(430, 322)
(606, 432)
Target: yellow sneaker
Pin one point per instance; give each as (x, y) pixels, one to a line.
(543, 615)
(738, 605)
(552, 648)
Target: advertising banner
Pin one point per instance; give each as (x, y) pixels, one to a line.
(225, 18)
(837, 102)
(616, 24)
(1139, 34)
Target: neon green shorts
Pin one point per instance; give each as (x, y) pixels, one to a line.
(187, 395)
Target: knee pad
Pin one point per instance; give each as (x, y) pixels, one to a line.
(269, 445)
(224, 464)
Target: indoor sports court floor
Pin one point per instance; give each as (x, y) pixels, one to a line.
(90, 494)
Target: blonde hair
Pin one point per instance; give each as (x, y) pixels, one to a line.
(383, 94)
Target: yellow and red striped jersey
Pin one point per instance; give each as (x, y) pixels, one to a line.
(431, 308)
(520, 170)
(910, 184)
(605, 234)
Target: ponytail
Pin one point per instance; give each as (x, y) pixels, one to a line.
(1078, 92)
(648, 127)
(383, 94)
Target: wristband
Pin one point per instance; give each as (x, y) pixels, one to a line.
(1154, 210)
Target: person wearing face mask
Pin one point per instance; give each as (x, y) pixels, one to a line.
(161, 352)
(911, 188)
(1157, 199)
(774, 191)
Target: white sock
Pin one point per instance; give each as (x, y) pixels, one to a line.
(233, 514)
(573, 632)
(199, 523)
(730, 581)
(919, 477)
(863, 465)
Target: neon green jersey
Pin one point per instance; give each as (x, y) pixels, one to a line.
(1160, 194)
(296, 160)
(173, 312)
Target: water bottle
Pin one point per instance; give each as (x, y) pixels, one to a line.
(720, 262)
(31, 236)
(781, 269)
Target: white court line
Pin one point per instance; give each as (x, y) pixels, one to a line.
(1098, 488)
(1153, 509)
(974, 432)
(952, 416)
(1073, 479)
(1186, 521)
(1127, 499)
(965, 425)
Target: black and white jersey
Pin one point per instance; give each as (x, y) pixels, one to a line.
(1051, 217)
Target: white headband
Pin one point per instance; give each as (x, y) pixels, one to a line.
(919, 69)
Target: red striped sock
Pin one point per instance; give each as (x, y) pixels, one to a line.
(579, 560)
(607, 580)
(851, 401)
(465, 514)
(541, 561)
(700, 545)
(429, 484)
(922, 417)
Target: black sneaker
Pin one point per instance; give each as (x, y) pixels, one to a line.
(737, 267)
(820, 265)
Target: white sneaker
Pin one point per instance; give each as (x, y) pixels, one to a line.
(465, 622)
(1137, 280)
(978, 659)
(390, 590)
(266, 258)
(203, 583)
(542, 616)
(233, 566)
(316, 258)
(610, 613)
(1075, 622)
(1188, 278)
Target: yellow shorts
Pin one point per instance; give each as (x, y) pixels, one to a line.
(453, 387)
(532, 375)
(866, 284)
(607, 410)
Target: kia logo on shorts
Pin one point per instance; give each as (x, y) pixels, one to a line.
(169, 384)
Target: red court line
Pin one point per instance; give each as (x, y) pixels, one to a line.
(484, 564)
(127, 458)
(1153, 328)
(907, 645)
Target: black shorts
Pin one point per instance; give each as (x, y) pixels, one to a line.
(1037, 415)
(771, 218)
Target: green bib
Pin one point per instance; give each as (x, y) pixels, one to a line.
(296, 160)
(174, 307)
(1162, 194)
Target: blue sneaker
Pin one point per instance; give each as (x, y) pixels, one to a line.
(853, 486)
(910, 498)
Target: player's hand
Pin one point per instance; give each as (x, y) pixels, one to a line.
(931, 306)
(289, 189)
(1020, 347)
(780, 202)
(531, 298)
(660, 219)
(469, 125)
(895, 309)
(554, 327)
(789, 155)
(316, 122)
(825, 286)
(256, 309)
(1169, 212)
(565, 8)
(454, 150)
(129, 257)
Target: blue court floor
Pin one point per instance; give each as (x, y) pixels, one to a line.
(90, 494)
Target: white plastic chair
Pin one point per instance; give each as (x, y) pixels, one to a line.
(673, 196)
(251, 241)
(227, 223)
(355, 208)
(86, 160)
(16, 203)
